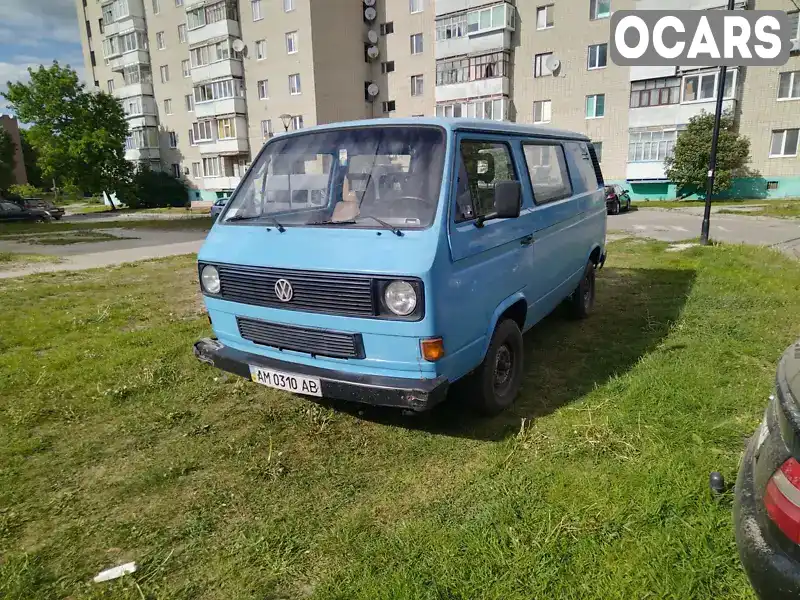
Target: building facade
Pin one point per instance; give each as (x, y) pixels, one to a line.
(9, 124)
(206, 82)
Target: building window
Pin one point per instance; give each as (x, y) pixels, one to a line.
(182, 33)
(417, 85)
(387, 67)
(540, 65)
(493, 17)
(161, 43)
(185, 68)
(266, 129)
(387, 28)
(176, 170)
(291, 42)
(789, 86)
(416, 6)
(261, 49)
(294, 84)
(156, 7)
(451, 27)
(189, 99)
(389, 106)
(784, 142)
(203, 131)
(655, 92)
(110, 84)
(211, 167)
(178, 2)
(484, 66)
(542, 111)
(173, 139)
(217, 90)
(545, 16)
(599, 9)
(794, 25)
(703, 86)
(255, 6)
(651, 146)
(297, 122)
(164, 73)
(598, 56)
(263, 89)
(598, 150)
(197, 169)
(100, 24)
(288, 5)
(88, 29)
(491, 108)
(772, 186)
(416, 43)
(168, 106)
(595, 106)
(226, 129)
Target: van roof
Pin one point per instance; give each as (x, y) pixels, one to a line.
(484, 125)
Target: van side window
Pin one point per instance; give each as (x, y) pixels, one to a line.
(482, 165)
(582, 154)
(547, 168)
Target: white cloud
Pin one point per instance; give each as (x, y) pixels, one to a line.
(31, 23)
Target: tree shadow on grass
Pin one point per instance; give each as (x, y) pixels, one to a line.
(564, 359)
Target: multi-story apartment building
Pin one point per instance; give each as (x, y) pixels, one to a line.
(206, 82)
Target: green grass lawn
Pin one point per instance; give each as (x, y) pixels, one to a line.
(16, 259)
(782, 210)
(102, 208)
(689, 203)
(118, 446)
(195, 223)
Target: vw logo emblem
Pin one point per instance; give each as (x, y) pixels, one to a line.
(283, 290)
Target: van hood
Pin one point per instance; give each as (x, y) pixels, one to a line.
(338, 249)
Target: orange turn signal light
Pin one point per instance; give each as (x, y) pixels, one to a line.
(432, 349)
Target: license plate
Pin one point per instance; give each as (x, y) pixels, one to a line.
(310, 386)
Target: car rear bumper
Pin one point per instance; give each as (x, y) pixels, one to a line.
(772, 573)
(413, 394)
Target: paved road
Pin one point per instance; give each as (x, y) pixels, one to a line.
(682, 224)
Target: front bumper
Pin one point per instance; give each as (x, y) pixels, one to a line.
(400, 392)
(772, 573)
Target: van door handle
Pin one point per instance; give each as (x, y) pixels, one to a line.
(526, 241)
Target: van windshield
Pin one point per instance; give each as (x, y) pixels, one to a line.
(347, 177)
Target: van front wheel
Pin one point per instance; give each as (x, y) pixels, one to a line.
(498, 379)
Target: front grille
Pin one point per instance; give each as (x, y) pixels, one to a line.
(331, 293)
(318, 342)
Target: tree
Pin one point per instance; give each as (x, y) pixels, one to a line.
(7, 151)
(687, 166)
(156, 189)
(79, 136)
(30, 157)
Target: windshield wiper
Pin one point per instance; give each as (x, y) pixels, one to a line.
(386, 225)
(269, 218)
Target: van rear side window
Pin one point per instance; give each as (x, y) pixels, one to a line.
(588, 171)
(547, 168)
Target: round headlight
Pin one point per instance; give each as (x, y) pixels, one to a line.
(209, 276)
(400, 298)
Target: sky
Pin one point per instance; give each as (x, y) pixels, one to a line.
(34, 32)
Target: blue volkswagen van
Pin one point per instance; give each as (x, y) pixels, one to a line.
(381, 261)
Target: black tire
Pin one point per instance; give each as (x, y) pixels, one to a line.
(614, 207)
(497, 380)
(581, 301)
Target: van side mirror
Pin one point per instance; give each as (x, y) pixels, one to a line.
(507, 202)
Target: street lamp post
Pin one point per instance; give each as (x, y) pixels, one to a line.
(712, 161)
(286, 119)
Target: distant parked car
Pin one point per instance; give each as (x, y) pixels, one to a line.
(10, 212)
(217, 207)
(37, 203)
(617, 199)
(766, 508)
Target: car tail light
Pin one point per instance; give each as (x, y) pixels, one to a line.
(610, 197)
(782, 499)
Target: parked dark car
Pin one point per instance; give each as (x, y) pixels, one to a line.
(10, 212)
(617, 199)
(37, 203)
(217, 207)
(766, 508)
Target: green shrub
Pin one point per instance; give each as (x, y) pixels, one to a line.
(156, 189)
(25, 190)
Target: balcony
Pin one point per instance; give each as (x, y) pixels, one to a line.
(226, 106)
(219, 183)
(480, 88)
(672, 114)
(220, 29)
(142, 154)
(124, 24)
(142, 120)
(645, 171)
(495, 40)
(134, 89)
(217, 70)
(238, 145)
(136, 57)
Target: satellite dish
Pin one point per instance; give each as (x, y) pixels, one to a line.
(373, 89)
(552, 64)
(373, 52)
(370, 13)
(369, 2)
(372, 36)
(238, 45)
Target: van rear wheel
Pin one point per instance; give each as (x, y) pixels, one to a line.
(499, 377)
(581, 301)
